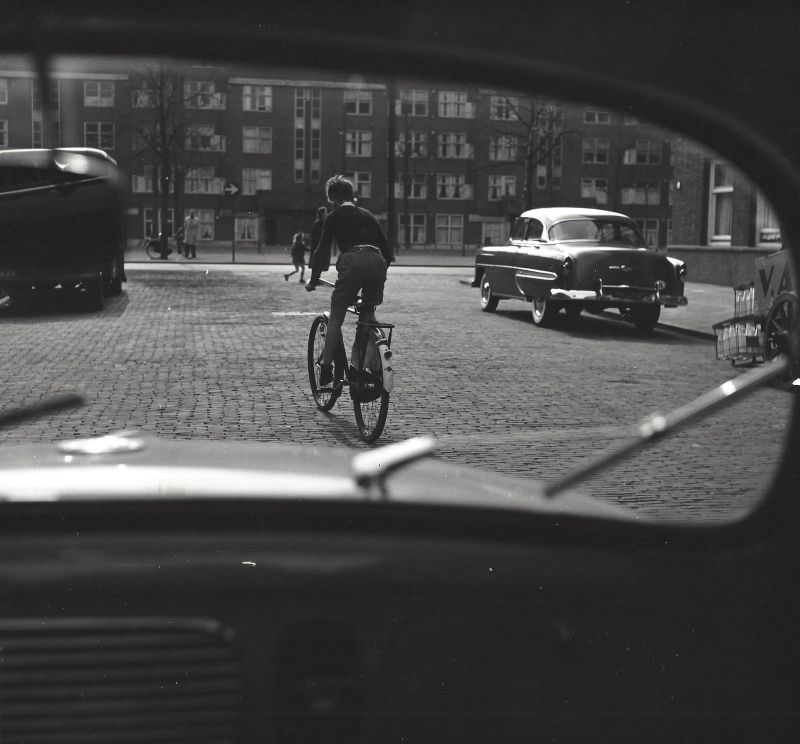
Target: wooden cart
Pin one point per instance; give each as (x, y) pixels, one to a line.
(764, 314)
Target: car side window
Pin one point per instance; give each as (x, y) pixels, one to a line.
(518, 229)
(535, 230)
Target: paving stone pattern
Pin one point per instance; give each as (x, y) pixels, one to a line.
(222, 355)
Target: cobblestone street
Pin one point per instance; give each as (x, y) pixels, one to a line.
(222, 355)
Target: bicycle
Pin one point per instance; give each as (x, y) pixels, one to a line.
(152, 247)
(369, 378)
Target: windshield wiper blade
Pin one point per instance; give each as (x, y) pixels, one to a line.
(658, 425)
(370, 469)
(54, 404)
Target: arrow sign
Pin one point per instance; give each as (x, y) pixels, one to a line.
(230, 189)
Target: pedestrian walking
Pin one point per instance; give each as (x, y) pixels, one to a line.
(191, 232)
(298, 257)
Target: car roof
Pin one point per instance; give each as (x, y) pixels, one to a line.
(37, 154)
(550, 215)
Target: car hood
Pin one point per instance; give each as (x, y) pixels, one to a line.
(129, 466)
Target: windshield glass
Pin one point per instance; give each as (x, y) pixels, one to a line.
(174, 295)
(603, 232)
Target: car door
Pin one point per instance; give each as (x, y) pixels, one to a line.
(535, 266)
(500, 261)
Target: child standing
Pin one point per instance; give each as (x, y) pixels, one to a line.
(298, 257)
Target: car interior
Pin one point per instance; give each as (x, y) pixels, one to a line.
(273, 620)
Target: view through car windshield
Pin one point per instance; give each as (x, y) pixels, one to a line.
(520, 358)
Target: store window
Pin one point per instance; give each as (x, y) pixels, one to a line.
(720, 218)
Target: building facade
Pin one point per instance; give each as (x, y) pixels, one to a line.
(447, 167)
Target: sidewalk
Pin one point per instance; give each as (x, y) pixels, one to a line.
(708, 303)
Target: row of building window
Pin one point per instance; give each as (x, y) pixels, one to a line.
(448, 228)
(414, 102)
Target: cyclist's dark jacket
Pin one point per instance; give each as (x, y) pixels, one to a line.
(348, 225)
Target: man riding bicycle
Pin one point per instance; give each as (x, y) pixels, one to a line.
(364, 255)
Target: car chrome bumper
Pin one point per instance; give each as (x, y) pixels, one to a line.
(618, 295)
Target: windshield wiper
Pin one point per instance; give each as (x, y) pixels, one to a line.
(658, 425)
(55, 404)
(370, 469)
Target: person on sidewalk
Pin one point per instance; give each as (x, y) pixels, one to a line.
(191, 232)
(298, 257)
(364, 255)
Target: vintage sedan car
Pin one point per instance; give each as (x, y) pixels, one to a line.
(579, 259)
(61, 225)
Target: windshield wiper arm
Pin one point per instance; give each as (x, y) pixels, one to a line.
(54, 404)
(658, 425)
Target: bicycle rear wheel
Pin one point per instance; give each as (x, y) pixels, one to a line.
(324, 397)
(371, 416)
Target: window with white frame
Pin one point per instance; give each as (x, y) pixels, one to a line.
(151, 226)
(99, 134)
(37, 133)
(358, 102)
(594, 116)
(595, 188)
(3, 132)
(3, 90)
(649, 228)
(362, 182)
(411, 144)
(143, 97)
(454, 145)
(143, 184)
(207, 220)
(501, 186)
(416, 225)
(202, 94)
(256, 179)
(257, 140)
(358, 143)
(504, 108)
(416, 183)
(36, 95)
(641, 193)
(645, 152)
(246, 228)
(205, 139)
(202, 180)
(720, 204)
(452, 186)
(768, 229)
(449, 229)
(454, 104)
(541, 176)
(595, 151)
(503, 147)
(494, 233)
(257, 98)
(98, 93)
(412, 102)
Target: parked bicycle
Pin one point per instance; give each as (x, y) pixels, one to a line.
(368, 374)
(154, 249)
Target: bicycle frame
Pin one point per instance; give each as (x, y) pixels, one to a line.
(369, 385)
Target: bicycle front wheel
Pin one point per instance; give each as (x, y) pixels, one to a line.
(153, 249)
(324, 397)
(371, 416)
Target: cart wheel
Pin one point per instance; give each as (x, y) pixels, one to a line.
(780, 325)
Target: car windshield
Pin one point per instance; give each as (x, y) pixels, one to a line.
(172, 292)
(601, 231)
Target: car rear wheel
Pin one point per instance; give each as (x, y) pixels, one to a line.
(543, 311)
(488, 300)
(645, 317)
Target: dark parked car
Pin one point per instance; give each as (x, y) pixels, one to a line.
(576, 259)
(61, 223)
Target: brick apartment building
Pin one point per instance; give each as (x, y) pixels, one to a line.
(249, 152)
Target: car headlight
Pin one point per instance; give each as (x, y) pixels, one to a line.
(682, 271)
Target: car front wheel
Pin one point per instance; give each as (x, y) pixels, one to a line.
(488, 300)
(543, 311)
